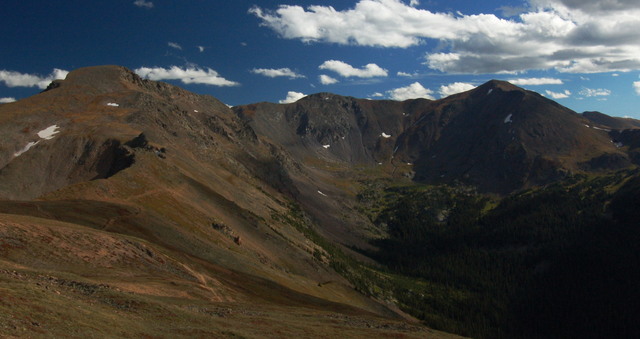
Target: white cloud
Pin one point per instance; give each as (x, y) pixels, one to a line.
(535, 81)
(414, 3)
(556, 95)
(280, 72)
(454, 88)
(404, 74)
(142, 3)
(346, 70)
(636, 86)
(174, 45)
(599, 92)
(327, 80)
(565, 35)
(377, 95)
(413, 91)
(17, 79)
(200, 48)
(7, 100)
(292, 97)
(188, 75)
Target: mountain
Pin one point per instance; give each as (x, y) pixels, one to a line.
(135, 201)
(125, 201)
(497, 137)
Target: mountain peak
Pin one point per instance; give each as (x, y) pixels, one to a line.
(500, 84)
(103, 78)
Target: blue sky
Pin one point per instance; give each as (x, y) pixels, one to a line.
(584, 54)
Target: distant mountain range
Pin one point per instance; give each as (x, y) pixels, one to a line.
(135, 205)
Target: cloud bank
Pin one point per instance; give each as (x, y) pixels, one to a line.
(556, 95)
(274, 73)
(536, 81)
(413, 91)
(7, 100)
(455, 88)
(188, 75)
(566, 35)
(292, 97)
(347, 71)
(327, 80)
(17, 79)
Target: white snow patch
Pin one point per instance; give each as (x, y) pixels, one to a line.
(46, 134)
(322, 194)
(112, 104)
(326, 146)
(490, 90)
(195, 111)
(508, 119)
(385, 135)
(26, 148)
(617, 144)
(601, 129)
(49, 132)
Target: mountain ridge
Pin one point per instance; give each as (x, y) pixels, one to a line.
(129, 196)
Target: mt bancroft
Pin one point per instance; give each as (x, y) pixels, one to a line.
(135, 208)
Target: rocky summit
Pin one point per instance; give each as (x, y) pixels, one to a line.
(134, 208)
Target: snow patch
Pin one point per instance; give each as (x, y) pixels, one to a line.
(195, 111)
(385, 135)
(49, 132)
(490, 90)
(508, 119)
(326, 146)
(26, 148)
(46, 134)
(322, 194)
(617, 144)
(112, 104)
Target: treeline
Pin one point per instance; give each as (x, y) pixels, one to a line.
(557, 262)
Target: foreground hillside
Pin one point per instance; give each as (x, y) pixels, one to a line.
(139, 206)
(135, 205)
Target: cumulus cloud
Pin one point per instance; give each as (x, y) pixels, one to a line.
(346, 70)
(274, 73)
(7, 100)
(556, 95)
(292, 97)
(636, 86)
(17, 79)
(143, 4)
(200, 48)
(188, 75)
(566, 35)
(595, 92)
(413, 91)
(535, 81)
(454, 88)
(327, 80)
(174, 45)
